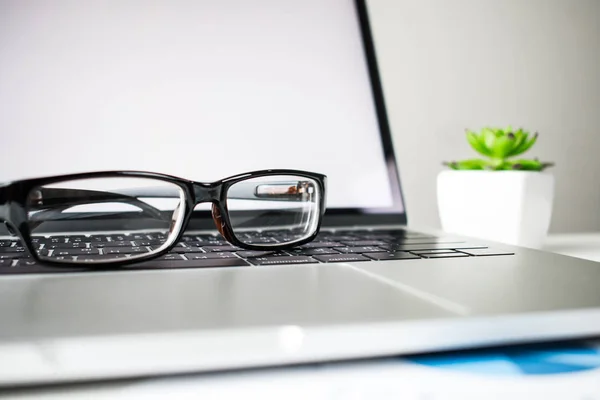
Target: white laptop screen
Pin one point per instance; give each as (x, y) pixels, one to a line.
(199, 89)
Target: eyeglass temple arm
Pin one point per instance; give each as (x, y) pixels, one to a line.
(271, 191)
(63, 199)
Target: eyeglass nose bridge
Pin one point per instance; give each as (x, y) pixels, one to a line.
(204, 192)
(207, 193)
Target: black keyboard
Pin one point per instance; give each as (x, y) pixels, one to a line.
(205, 250)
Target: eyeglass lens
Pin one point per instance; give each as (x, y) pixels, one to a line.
(151, 211)
(286, 208)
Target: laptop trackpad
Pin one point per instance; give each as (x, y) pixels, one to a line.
(162, 301)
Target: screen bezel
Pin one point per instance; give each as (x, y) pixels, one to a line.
(394, 215)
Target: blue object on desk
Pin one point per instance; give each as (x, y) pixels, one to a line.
(535, 359)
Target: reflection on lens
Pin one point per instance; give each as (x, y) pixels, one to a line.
(284, 207)
(101, 220)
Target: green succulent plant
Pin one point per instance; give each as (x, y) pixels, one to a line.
(500, 146)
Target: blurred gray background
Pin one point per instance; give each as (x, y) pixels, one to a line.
(451, 65)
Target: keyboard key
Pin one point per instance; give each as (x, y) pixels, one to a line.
(12, 249)
(432, 246)
(156, 236)
(188, 238)
(7, 243)
(312, 245)
(335, 238)
(94, 257)
(260, 240)
(66, 238)
(99, 245)
(281, 260)
(72, 252)
(359, 250)
(351, 232)
(68, 245)
(137, 237)
(327, 258)
(208, 237)
(445, 255)
(5, 263)
(287, 239)
(487, 252)
(276, 232)
(182, 250)
(202, 243)
(407, 234)
(155, 243)
(374, 236)
(124, 250)
(435, 251)
(209, 256)
(67, 258)
(425, 240)
(219, 248)
(120, 243)
(311, 252)
(398, 255)
(120, 238)
(255, 253)
(98, 238)
(172, 257)
(78, 239)
(178, 248)
(12, 256)
(357, 243)
(25, 263)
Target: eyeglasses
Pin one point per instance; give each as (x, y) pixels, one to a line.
(287, 205)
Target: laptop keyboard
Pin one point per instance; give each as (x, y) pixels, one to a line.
(200, 251)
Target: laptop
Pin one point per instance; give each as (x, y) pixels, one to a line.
(205, 90)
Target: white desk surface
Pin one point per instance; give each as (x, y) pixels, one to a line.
(562, 373)
(582, 245)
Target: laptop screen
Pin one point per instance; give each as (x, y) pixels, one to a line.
(198, 89)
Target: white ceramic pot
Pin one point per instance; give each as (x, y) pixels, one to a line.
(512, 207)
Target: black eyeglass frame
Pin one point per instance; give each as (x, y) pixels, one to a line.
(13, 207)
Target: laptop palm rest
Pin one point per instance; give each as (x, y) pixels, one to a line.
(144, 302)
(82, 326)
